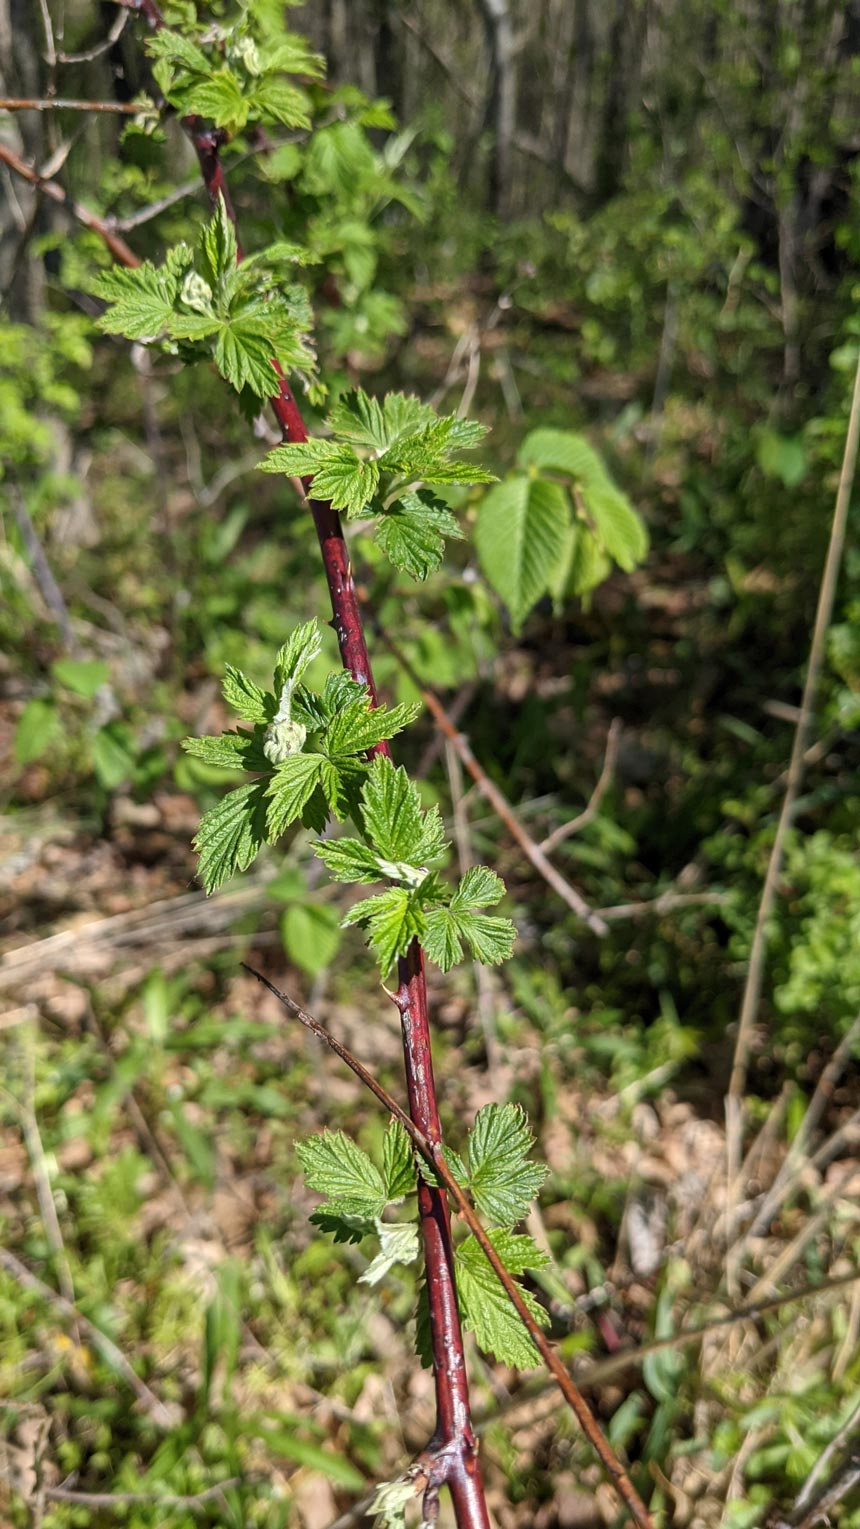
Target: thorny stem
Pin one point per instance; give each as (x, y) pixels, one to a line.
(432, 1153)
(453, 1448)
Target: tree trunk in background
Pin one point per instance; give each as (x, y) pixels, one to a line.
(502, 106)
(23, 213)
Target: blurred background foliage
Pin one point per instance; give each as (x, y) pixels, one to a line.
(637, 222)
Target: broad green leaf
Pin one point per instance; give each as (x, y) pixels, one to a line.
(231, 834)
(83, 676)
(486, 1308)
(561, 451)
(393, 919)
(502, 1180)
(412, 533)
(334, 1166)
(311, 936)
(589, 564)
(619, 529)
(398, 1162)
(38, 728)
(314, 1457)
(521, 536)
(299, 459)
(398, 1244)
(289, 789)
(113, 760)
(782, 457)
(141, 301)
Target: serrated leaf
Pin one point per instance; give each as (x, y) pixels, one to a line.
(218, 244)
(334, 1166)
(231, 834)
(142, 301)
(347, 481)
(177, 49)
(479, 888)
(563, 451)
(489, 939)
(358, 725)
(341, 1227)
(394, 821)
(398, 1245)
(297, 654)
(393, 919)
(245, 697)
(298, 459)
(486, 1308)
(288, 791)
(276, 101)
(618, 527)
(244, 357)
(218, 96)
(502, 1180)
(412, 533)
(349, 860)
(232, 751)
(398, 1162)
(521, 537)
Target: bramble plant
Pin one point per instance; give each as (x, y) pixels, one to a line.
(316, 756)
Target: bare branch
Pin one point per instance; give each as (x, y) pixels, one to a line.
(590, 811)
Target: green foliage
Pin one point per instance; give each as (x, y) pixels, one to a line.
(502, 1183)
(207, 306)
(233, 75)
(374, 465)
(556, 526)
(307, 749)
(401, 842)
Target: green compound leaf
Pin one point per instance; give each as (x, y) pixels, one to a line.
(398, 1245)
(398, 1162)
(245, 697)
(393, 919)
(334, 1166)
(231, 835)
(397, 826)
(489, 939)
(502, 1180)
(289, 790)
(485, 1307)
(521, 536)
(412, 533)
(142, 300)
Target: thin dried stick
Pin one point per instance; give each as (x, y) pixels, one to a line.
(590, 811)
(61, 103)
(851, 1424)
(117, 246)
(98, 48)
(160, 1413)
(824, 612)
(116, 1500)
(433, 1154)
